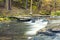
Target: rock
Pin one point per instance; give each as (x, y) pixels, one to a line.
(43, 37)
(54, 31)
(47, 33)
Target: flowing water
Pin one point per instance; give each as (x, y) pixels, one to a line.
(22, 30)
(53, 36)
(36, 26)
(25, 30)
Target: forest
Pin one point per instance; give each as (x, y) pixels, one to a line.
(28, 7)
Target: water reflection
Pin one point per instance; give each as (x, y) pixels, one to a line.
(13, 28)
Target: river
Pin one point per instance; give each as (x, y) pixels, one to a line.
(24, 30)
(54, 24)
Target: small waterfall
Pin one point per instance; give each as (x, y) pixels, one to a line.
(36, 25)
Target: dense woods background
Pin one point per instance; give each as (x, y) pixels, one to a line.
(40, 7)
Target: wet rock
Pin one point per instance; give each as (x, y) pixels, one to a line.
(46, 37)
(47, 33)
(54, 31)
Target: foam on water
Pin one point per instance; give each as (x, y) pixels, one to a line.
(36, 26)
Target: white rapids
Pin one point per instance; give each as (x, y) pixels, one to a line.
(36, 26)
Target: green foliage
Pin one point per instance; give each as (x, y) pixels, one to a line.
(34, 7)
(1, 0)
(57, 13)
(52, 13)
(45, 7)
(44, 12)
(4, 19)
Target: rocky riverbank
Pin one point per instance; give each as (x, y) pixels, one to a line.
(51, 32)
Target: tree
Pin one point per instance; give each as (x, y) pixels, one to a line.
(26, 4)
(39, 4)
(8, 4)
(55, 5)
(31, 7)
(4, 2)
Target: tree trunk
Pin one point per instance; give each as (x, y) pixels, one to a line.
(26, 4)
(39, 4)
(31, 7)
(8, 4)
(4, 3)
(55, 5)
